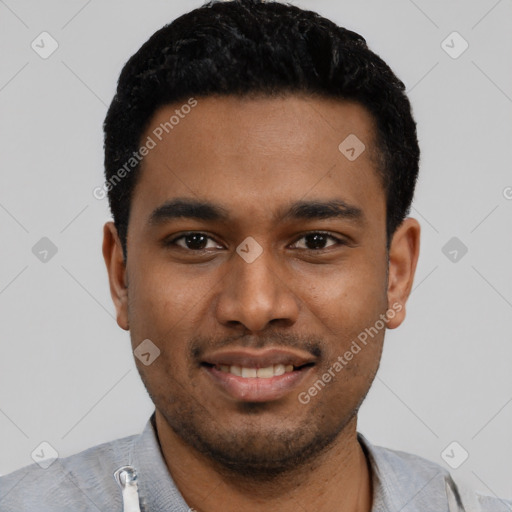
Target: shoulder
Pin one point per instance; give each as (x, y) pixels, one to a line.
(493, 504)
(472, 499)
(398, 473)
(82, 482)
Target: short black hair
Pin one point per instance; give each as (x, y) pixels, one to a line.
(253, 47)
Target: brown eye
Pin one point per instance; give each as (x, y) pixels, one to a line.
(193, 241)
(317, 240)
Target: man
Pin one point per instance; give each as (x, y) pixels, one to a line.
(260, 165)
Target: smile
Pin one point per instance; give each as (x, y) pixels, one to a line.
(257, 375)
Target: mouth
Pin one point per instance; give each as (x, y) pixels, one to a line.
(257, 376)
(247, 372)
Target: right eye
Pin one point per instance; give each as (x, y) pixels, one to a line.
(193, 241)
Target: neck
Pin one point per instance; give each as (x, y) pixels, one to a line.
(338, 479)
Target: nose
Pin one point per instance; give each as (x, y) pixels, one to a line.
(256, 294)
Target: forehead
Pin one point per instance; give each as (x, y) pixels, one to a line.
(253, 155)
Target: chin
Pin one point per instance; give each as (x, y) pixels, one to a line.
(255, 448)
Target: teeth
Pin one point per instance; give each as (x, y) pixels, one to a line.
(249, 372)
(235, 370)
(265, 373)
(261, 373)
(279, 369)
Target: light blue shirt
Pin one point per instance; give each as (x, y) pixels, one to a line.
(402, 482)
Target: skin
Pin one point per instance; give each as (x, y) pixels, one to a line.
(255, 156)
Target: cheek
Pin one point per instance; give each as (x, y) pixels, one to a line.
(154, 314)
(160, 294)
(348, 295)
(168, 305)
(347, 306)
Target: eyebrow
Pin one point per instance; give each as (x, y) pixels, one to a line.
(299, 210)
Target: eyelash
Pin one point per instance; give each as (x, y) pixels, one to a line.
(339, 241)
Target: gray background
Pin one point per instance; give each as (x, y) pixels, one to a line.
(66, 370)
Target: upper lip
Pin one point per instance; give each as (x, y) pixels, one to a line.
(253, 358)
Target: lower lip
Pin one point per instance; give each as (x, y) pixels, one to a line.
(253, 389)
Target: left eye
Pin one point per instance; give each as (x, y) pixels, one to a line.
(317, 241)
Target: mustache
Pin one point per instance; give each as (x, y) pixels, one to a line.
(199, 345)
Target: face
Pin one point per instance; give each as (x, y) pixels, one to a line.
(256, 257)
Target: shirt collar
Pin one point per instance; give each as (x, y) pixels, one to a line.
(157, 490)
(402, 482)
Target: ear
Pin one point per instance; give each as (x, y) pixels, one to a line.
(113, 256)
(403, 257)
